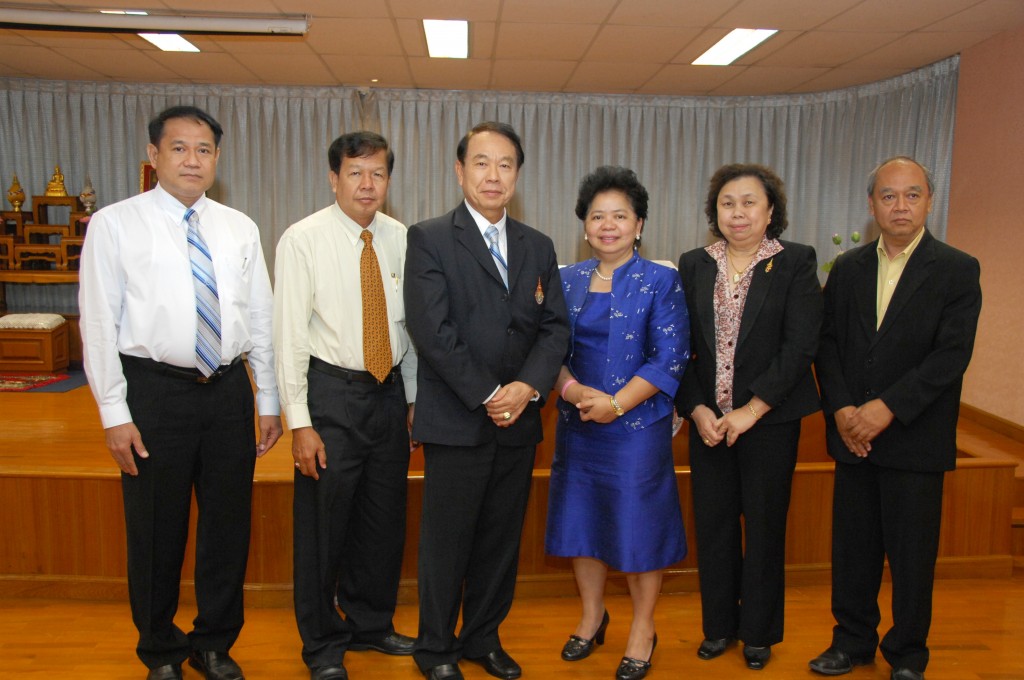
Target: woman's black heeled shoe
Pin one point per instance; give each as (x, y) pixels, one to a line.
(634, 669)
(577, 648)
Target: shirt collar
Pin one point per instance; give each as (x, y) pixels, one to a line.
(908, 251)
(482, 223)
(174, 208)
(349, 226)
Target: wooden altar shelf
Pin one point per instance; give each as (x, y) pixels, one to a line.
(43, 232)
(41, 203)
(71, 252)
(17, 218)
(6, 252)
(37, 252)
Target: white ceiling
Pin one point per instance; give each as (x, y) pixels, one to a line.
(607, 46)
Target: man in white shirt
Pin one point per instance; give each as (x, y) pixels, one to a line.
(347, 372)
(173, 395)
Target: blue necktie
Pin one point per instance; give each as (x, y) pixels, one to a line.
(207, 303)
(492, 243)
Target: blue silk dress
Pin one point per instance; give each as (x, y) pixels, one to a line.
(613, 493)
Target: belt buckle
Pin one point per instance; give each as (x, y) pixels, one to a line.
(203, 379)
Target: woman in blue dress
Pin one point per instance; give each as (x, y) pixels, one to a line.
(613, 499)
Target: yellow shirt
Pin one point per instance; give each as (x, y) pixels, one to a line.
(889, 273)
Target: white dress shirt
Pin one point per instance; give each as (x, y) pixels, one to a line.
(318, 304)
(136, 294)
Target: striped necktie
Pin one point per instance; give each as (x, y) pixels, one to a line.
(492, 244)
(204, 281)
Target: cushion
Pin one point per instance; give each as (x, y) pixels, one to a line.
(36, 322)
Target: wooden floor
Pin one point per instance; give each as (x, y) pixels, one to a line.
(976, 635)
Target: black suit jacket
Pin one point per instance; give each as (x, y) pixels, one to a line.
(914, 361)
(778, 336)
(472, 334)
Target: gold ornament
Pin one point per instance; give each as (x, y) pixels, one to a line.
(55, 187)
(16, 195)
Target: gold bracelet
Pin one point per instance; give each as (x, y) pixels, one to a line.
(756, 417)
(619, 411)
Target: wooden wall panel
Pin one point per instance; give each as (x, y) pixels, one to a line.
(65, 535)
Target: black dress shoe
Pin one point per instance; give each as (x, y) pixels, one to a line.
(634, 669)
(499, 664)
(337, 672)
(709, 649)
(393, 643)
(756, 657)
(837, 662)
(577, 648)
(171, 671)
(906, 674)
(215, 665)
(446, 671)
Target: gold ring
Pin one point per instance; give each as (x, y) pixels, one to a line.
(707, 442)
(506, 415)
(296, 465)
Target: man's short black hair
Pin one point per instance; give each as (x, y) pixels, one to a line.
(193, 113)
(503, 129)
(358, 145)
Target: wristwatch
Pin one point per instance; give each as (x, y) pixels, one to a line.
(616, 406)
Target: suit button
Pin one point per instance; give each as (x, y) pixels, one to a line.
(871, 360)
(504, 297)
(511, 331)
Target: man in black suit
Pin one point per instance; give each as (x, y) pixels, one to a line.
(484, 307)
(900, 319)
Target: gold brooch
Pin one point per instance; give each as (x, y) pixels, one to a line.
(538, 294)
(768, 267)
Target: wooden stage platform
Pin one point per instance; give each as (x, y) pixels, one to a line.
(63, 529)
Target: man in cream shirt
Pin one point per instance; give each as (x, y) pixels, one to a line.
(348, 407)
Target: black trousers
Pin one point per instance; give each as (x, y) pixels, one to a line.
(199, 437)
(474, 501)
(349, 526)
(742, 566)
(877, 513)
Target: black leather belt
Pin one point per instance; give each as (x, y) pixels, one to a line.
(172, 371)
(322, 366)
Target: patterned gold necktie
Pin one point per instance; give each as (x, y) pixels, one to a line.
(376, 339)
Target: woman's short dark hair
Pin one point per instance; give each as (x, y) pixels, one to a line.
(612, 178)
(773, 188)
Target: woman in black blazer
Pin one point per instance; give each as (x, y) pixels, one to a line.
(755, 312)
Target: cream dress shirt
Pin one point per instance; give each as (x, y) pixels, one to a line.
(318, 306)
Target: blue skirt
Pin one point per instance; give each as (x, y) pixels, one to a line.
(613, 496)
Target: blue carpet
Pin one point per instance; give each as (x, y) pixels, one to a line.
(76, 379)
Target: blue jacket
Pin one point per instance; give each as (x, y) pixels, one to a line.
(649, 334)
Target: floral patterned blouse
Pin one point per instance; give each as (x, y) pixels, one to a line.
(729, 300)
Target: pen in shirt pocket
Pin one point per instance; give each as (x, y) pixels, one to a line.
(394, 281)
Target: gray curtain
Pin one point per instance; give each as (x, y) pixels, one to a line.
(274, 168)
